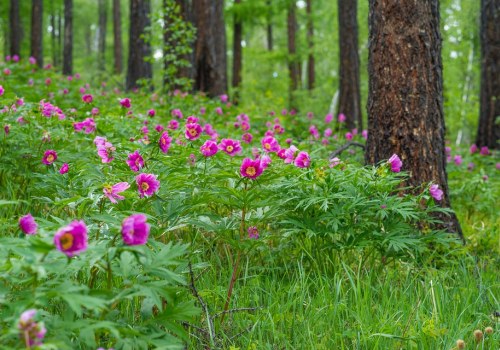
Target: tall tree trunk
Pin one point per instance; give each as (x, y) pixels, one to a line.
(350, 96)
(117, 36)
(310, 45)
(37, 31)
(488, 132)
(237, 51)
(405, 101)
(68, 38)
(139, 49)
(15, 28)
(101, 59)
(60, 34)
(210, 73)
(187, 16)
(269, 26)
(293, 61)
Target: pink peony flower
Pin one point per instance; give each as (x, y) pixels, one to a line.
(290, 154)
(328, 118)
(334, 162)
(49, 157)
(341, 118)
(88, 126)
(253, 232)
(31, 332)
(112, 192)
(435, 192)
(135, 161)
(395, 163)
(484, 151)
(32, 60)
(64, 169)
(457, 159)
(473, 148)
(191, 119)
(193, 131)
(2, 90)
(151, 112)
(173, 124)
(247, 137)
(147, 184)
(251, 168)
(165, 141)
(87, 98)
(135, 230)
(348, 136)
(177, 113)
(328, 132)
(270, 144)
(265, 160)
(364, 134)
(104, 149)
(224, 98)
(231, 147)
(209, 148)
(125, 102)
(72, 239)
(27, 224)
(95, 111)
(302, 160)
(218, 110)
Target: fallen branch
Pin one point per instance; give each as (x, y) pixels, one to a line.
(338, 151)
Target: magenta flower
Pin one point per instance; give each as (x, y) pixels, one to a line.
(193, 131)
(218, 110)
(49, 157)
(125, 102)
(151, 112)
(341, 118)
(270, 144)
(191, 119)
(328, 118)
(64, 169)
(88, 98)
(112, 192)
(247, 137)
(209, 148)
(251, 168)
(457, 159)
(231, 147)
(177, 113)
(2, 90)
(224, 98)
(165, 141)
(104, 149)
(31, 332)
(135, 161)
(88, 126)
(435, 192)
(348, 136)
(265, 161)
(302, 160)
(173, 124)
(484, 151)
(328, 132)
(395, 163)
(334, 162)
(147, 184)
(253, 232)
(72, 239)
(135, 230)
(27, 224)
(473, 148)
(290, 154)
(364, 134)
(32, 60)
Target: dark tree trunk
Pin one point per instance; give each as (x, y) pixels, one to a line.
(293, 62)
(210, 73)
(310, 45)
(15, 28)
(349, 94)
(488, 132)
(269, 27)
(117, 36)
(405, 101)
(101, 56)
(138, 67)
(68, 38)
(37, 31)
(237, 52)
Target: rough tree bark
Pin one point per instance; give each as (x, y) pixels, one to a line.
(117, 36)
(237, 51)
(488, 132)
(15, 28)
(310, 45)
(37, 31)
(68, 38)
(269, 26)
(405, 101)
(210, 62)
(101, 39)
(293, 62)
(139, 49)
(349, 89)
(54, 36)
